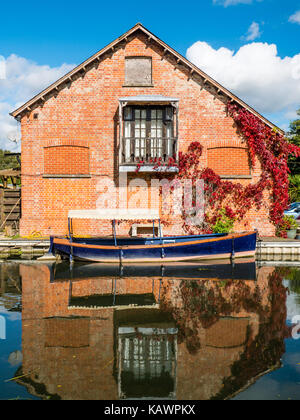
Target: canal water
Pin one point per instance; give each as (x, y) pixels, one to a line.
(177, 332)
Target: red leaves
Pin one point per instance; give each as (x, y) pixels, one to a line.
(265, 144)
(273, 151)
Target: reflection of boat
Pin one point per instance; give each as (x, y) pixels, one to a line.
(241, 270)
(152, 274)
(155, 249)
(114, 298)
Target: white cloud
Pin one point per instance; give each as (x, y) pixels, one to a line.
(23, 80)
(2, 68)
(253, 32)
(295, 18)
(255, 73)
(227, 3)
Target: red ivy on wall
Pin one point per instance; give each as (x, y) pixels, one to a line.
(273, 150)
(267, 145)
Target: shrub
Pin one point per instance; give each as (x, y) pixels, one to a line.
(224, 223)
(288, 223)
(294, 189)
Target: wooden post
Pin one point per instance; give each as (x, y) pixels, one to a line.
(161, 241)
(115, 233)
(176, 106)
(71, 240)
(120, 133)
(1, 205)
(121, 107)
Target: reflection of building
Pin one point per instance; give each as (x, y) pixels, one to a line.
(181, 339)
(146, 354)
(230, 332)
(10, 287)
(71, 346)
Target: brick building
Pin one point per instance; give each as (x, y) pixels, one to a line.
(136, 99)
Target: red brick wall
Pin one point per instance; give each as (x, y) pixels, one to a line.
(86, 113)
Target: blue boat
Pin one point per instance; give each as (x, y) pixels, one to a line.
(155, 249)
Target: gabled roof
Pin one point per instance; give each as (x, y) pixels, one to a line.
(41, 97)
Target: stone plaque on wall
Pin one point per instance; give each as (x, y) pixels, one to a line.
(138, 71)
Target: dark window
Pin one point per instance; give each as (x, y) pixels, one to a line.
(148, 133)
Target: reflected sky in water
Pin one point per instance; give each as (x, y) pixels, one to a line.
(175, 332)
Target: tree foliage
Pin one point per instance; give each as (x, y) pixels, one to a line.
(294, 188)
(294, 137)
(8, 162)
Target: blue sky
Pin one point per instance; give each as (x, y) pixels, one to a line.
(255, 41)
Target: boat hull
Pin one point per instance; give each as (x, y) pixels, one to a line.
(168, 250)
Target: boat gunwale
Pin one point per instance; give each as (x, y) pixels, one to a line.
(67, 242)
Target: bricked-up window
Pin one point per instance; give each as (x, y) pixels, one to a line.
(138, 71)
(66, 160)
(229, 161)
(66, 332)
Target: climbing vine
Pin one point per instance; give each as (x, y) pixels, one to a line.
(267, 146)
(273, 151)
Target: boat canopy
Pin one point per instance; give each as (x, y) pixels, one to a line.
(115, 214)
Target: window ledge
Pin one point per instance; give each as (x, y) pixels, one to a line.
(65, 176)
(236, 176)
(148, 168)
(136, 86)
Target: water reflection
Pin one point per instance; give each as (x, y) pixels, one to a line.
(10, 330)
(10, 288)
(173, 332)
